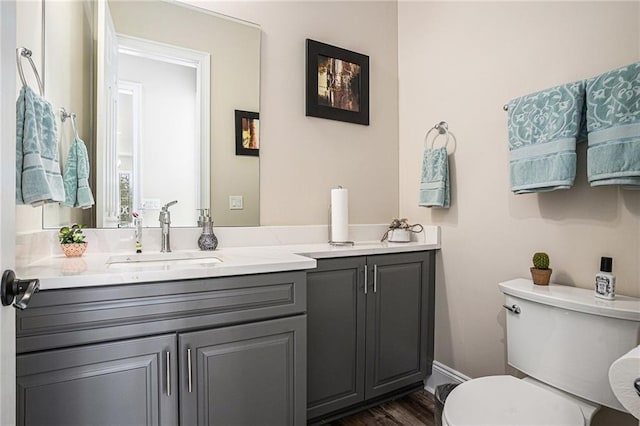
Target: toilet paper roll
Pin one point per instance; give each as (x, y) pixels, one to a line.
(623, 374)
(339, 215)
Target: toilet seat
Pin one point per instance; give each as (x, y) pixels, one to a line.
(508, 401)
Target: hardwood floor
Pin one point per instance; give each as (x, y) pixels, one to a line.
(414, 409)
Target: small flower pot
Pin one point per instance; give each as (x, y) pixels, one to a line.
(399, 235)
(541, 276)
(74, 249)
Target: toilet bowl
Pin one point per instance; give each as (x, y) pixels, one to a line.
(508, 401)
(564, 340)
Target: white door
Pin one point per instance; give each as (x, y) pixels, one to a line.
(107, 196)
(7, 201)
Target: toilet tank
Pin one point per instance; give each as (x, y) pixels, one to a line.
(567, 338)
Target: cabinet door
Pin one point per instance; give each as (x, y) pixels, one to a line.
(336, 332)
(252, 374)
(399, 321)
(122, 383)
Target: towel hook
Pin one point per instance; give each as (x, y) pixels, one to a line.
(23, 52)
(72, 115)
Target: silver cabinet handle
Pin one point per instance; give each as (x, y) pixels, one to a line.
(189, 369)
(375, 278)
(513, 308)
(168, 354)
(365, 279)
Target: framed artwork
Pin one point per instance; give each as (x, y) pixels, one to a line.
(337, 83)
(247, 133)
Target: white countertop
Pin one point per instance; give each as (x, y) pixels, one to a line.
(92, 269)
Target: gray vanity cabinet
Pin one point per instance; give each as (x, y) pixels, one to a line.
(336, 335)
(123, 383)
(370, 328)
(399, 321)
(250, 374)
(211, 351)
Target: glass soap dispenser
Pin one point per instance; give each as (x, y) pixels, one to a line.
(207, 240)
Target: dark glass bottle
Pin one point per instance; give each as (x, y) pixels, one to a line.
(207, 240)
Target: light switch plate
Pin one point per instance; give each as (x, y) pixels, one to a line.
(150, 204)
(236, 202)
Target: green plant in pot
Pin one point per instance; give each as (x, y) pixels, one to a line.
(72, 240)
(540, 272)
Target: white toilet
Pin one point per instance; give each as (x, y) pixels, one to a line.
(564, 339)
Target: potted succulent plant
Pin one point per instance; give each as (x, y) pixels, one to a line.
(541, 273)
(72, 240)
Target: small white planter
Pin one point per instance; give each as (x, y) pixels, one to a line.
(399, 236)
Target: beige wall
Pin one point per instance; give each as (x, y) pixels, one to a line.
(302, 158)
(461, 62)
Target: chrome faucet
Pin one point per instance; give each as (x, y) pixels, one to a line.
(165, 222)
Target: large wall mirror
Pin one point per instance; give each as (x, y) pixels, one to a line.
(155, 86)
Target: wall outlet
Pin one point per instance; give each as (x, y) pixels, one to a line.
(236, 202)
(150, 204)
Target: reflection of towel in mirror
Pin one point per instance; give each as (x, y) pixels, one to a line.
(38, 178)
(434, 185)
(613, 121)
(76, 177)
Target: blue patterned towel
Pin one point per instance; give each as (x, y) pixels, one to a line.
(38, 178)
(76, 177)
(543, 128)
(434, 185)
(613, 122)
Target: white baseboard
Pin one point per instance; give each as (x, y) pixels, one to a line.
(442, 374)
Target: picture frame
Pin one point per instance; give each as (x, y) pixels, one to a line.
(247, 133)
(337, 83)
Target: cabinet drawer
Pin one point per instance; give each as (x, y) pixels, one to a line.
(59, 318)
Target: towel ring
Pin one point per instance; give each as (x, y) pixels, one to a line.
(23, 52)
(443, 129)
(72, 115)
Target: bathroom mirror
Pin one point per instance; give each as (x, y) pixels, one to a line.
(155, 96)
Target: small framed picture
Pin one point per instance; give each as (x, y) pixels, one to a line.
(247, 133)
(337, 83)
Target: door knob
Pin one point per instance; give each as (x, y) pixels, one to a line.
(22, 290)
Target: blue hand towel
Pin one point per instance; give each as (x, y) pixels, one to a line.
(543, 128)
(613, 122)
(434, 185)
(38, 178)
(76, 177)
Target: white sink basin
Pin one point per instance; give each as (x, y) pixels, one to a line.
(162, 260)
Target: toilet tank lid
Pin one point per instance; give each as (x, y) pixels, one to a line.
(573, 298)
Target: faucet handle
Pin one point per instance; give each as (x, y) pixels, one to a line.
(169, 204)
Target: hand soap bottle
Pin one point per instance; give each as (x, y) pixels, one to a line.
(137, 223)
(207, 240)
(605, 280)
